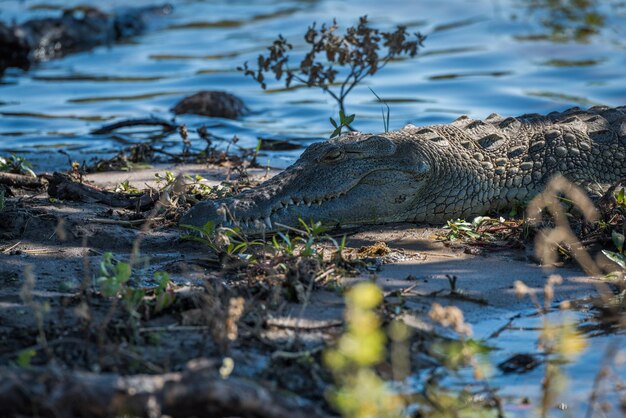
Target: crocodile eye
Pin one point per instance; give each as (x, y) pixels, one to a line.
(333, 154)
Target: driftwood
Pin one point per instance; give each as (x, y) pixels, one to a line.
(62, 186)
(110, 128)
(197, 391)
(20, 180)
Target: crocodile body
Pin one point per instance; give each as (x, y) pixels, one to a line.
(432, 174)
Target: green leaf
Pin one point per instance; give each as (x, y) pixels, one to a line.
(336, 132)
(621, 197)
(25, 356)
(332, 122)
(123, 272)
(241, 247)
(342, 117)
(163, 278)
(617, 258)
(479, 220)
(350, 119)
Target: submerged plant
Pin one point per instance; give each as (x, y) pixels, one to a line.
(569, 20)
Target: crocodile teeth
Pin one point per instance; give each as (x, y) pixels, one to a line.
(291, 202)
(308, 204)
(268, 222)
(258, 224)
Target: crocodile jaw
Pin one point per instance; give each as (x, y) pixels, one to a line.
(371, 200)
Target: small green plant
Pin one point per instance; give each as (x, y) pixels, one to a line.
(359, 391)
(126, 187)
(285, 244)
(338, 258)
(619, 256)
(113, 283)
(222, 240)
(199, 186)
(165, 180)
(163, 292)
(462, 229)
(312, 233)
(385, 115)
(25, 357)
(17, 165)
(314, 228)
(484, 228)
(113, 275)
(344, 122)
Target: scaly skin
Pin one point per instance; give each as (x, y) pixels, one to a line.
(432, 174)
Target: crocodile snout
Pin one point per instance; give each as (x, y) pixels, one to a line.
(203, 212)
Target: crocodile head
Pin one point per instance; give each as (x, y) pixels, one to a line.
(357, 179)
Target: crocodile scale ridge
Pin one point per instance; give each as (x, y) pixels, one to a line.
(433, 173)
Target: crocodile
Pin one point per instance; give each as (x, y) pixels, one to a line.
(77, 29)
(431, 174)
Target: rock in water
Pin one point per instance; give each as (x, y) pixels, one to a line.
(217, 104)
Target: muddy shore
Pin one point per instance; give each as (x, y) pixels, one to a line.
(61, 244)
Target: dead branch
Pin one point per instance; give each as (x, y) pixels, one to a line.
(20, 180)
(62, 186)
(197, 391)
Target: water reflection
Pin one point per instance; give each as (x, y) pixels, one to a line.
(568, 20)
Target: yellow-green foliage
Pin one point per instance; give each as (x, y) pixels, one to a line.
(360, 392)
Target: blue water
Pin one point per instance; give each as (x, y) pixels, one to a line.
(480, 57)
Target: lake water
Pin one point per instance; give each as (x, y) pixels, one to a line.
(505, 56)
